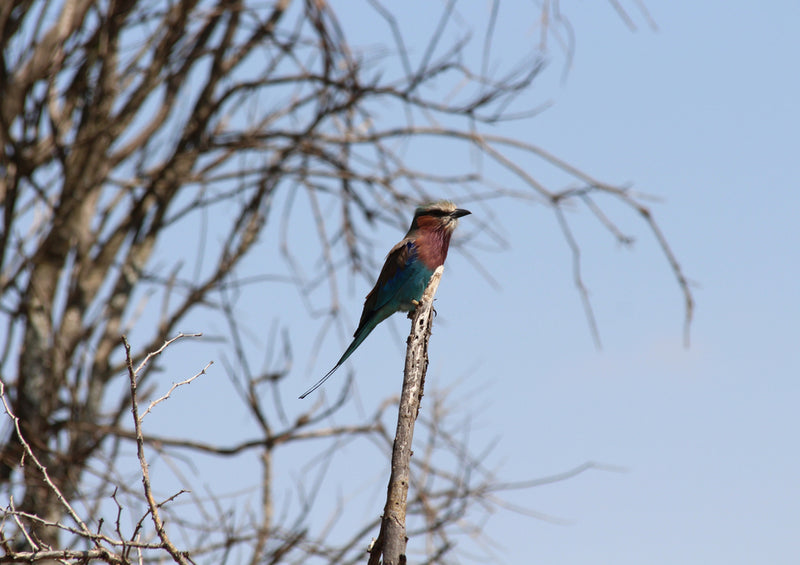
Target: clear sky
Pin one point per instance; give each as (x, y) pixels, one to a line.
(702, 113)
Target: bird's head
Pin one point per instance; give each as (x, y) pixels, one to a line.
(440, 215)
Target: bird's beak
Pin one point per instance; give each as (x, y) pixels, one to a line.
(460, 212)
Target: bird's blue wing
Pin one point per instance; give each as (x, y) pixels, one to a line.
(391, 278)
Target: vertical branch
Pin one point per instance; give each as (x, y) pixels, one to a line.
(391, 542)
(177, 555)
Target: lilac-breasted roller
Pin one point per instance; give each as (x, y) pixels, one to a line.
(406, 272)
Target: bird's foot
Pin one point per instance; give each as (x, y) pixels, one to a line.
(414, 304)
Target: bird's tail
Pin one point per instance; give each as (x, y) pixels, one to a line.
(360, 336)
(322, 380)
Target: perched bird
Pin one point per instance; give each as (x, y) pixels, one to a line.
(406, 272)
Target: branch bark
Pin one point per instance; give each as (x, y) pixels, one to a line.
(391, 542)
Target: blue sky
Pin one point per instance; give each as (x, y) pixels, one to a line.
(703, 114)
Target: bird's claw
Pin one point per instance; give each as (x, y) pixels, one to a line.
(415, 303)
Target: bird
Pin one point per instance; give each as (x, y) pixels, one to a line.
(406, 272)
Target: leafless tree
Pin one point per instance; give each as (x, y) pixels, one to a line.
(148, 149)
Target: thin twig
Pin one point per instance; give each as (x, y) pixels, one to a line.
(577, 278)
(174, 386)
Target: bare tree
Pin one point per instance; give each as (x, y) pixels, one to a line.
(126, 122)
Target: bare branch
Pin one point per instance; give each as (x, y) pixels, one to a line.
(177, 555)
(45, 475)
(174, 386)
(391, 541)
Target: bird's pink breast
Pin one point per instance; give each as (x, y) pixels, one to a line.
(432, 246)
